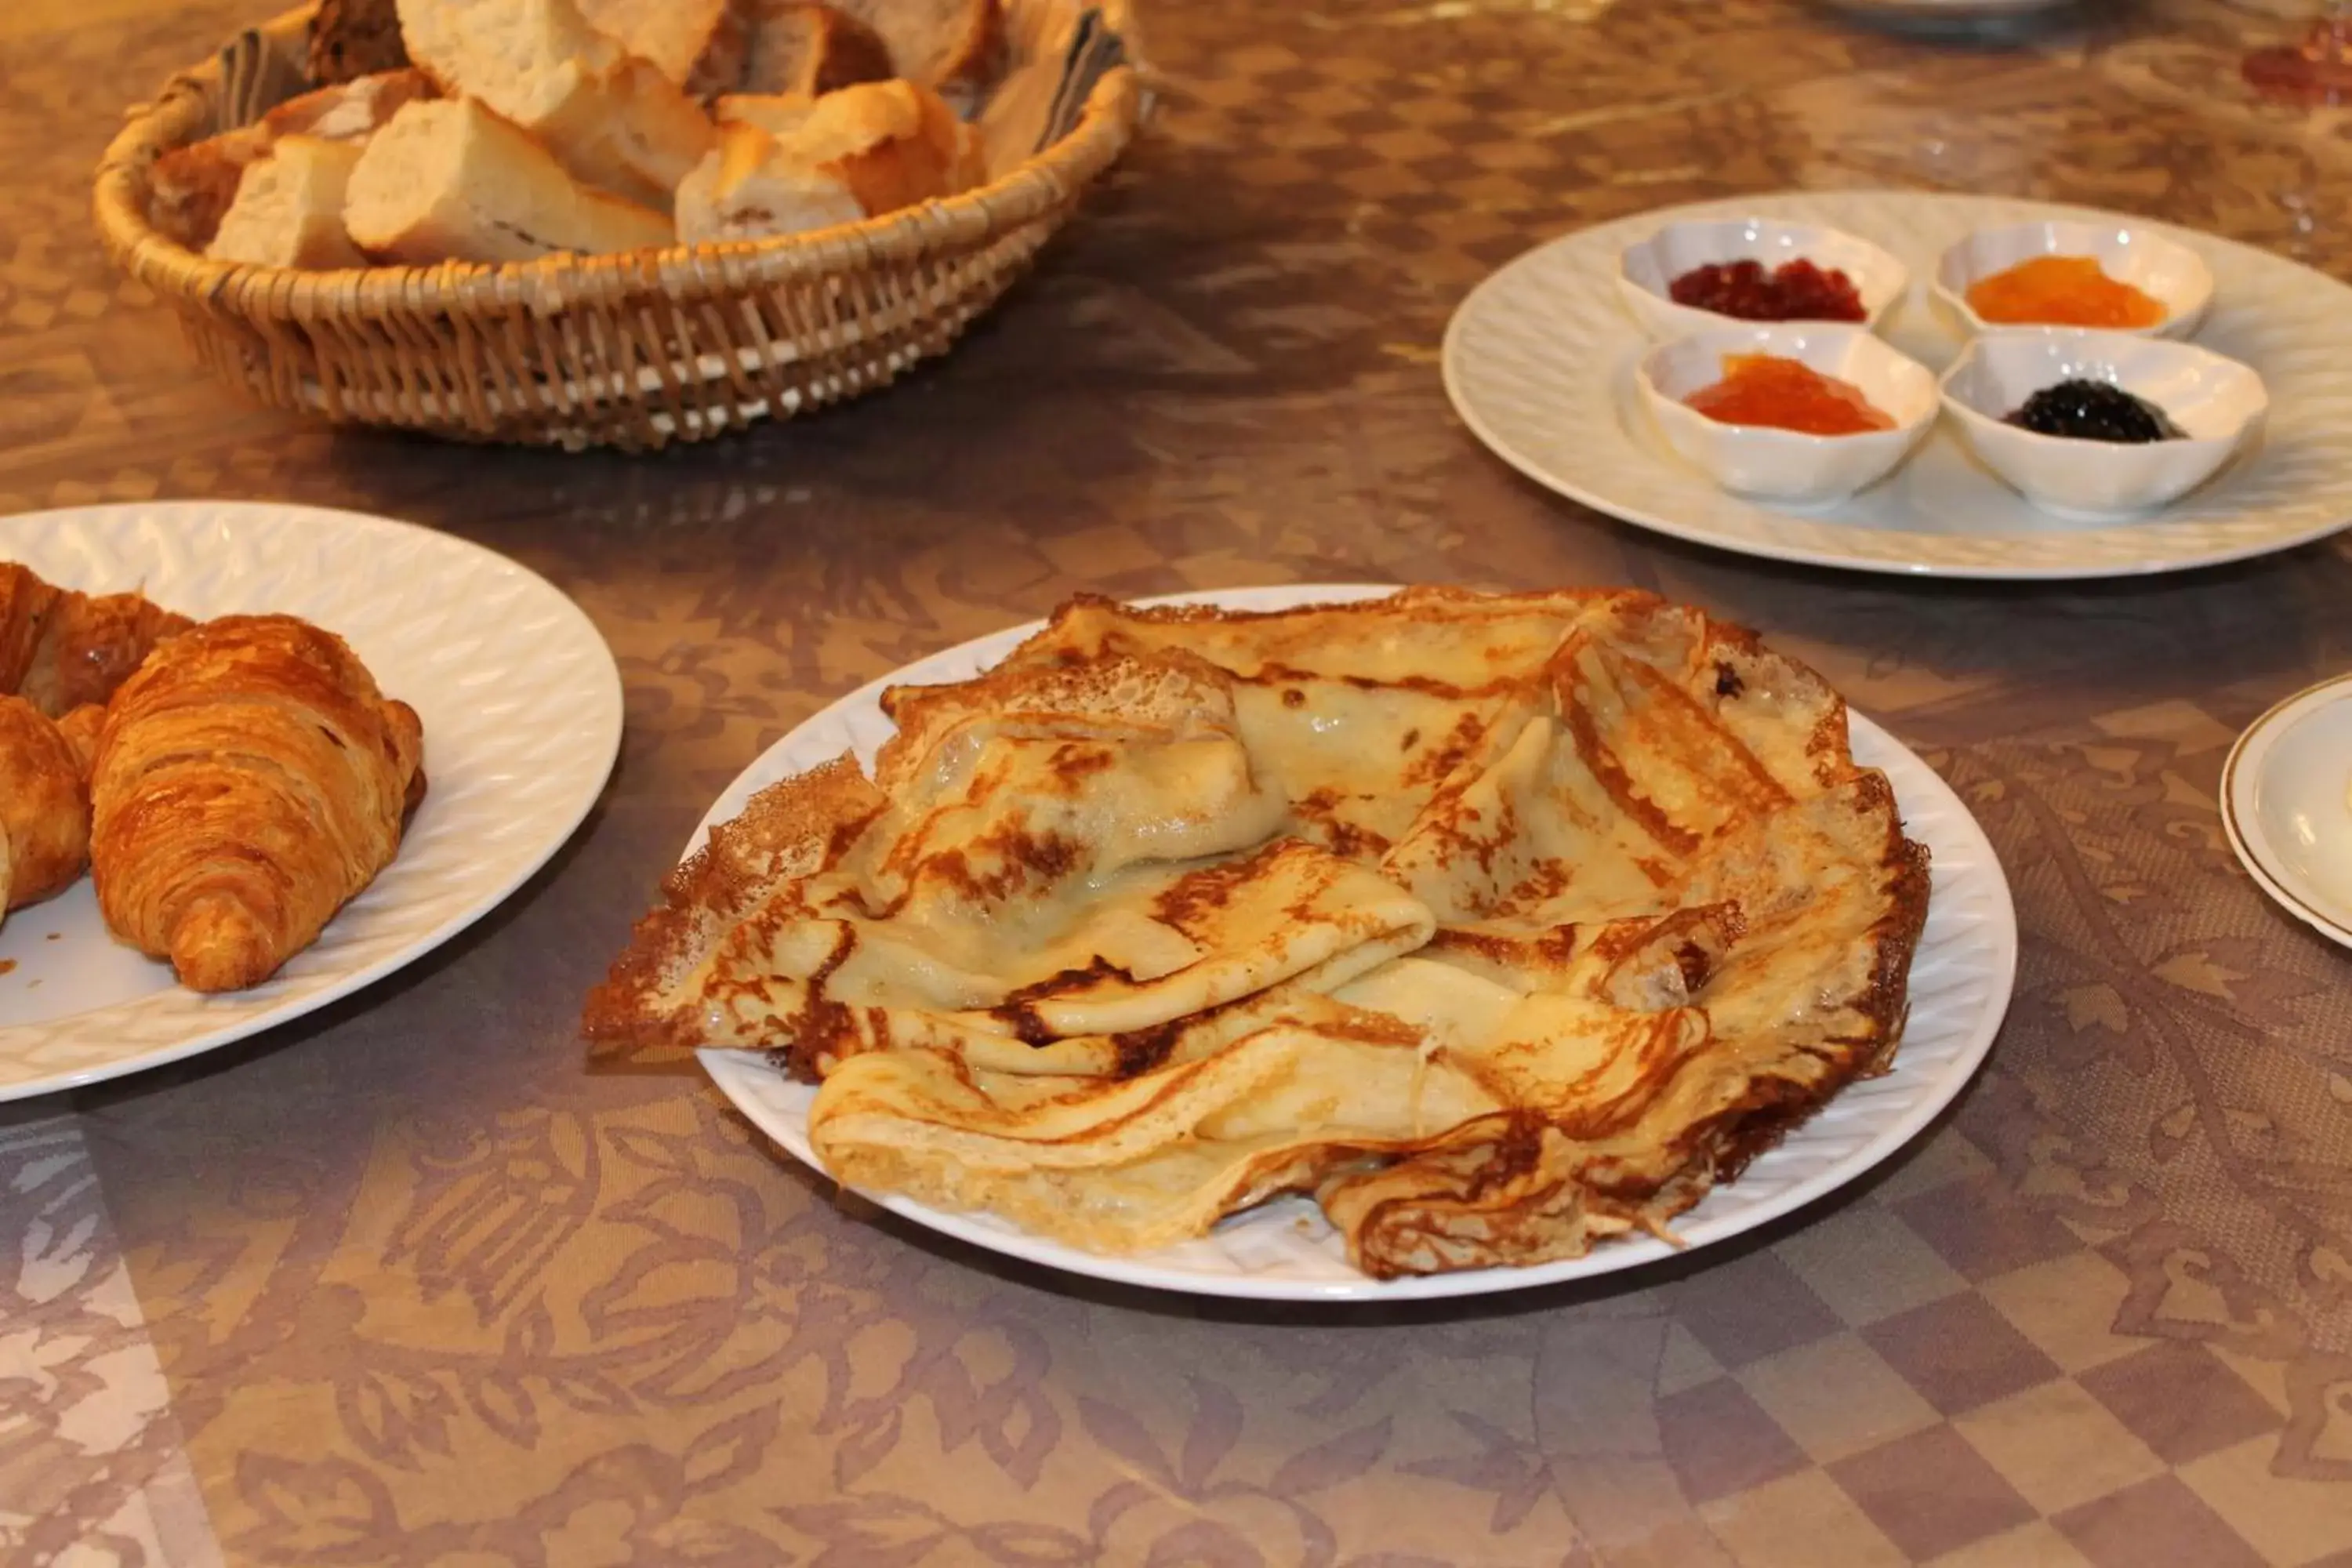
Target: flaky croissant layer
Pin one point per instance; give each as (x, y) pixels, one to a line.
(250, 779)
(44, 809)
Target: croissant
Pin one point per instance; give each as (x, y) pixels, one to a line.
(25, 602)
(80, 727)
(89, 644)
(250, 779)
(60, 648)
(43, 809)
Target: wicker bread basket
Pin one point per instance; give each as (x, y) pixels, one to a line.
(635, 350)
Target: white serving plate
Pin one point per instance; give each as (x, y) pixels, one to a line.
(2286, 805)
(1960, 981)
(1539, 361)
(521, 706)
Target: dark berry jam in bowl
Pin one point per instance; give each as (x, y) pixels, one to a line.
(1698, 274)
(2103, 424)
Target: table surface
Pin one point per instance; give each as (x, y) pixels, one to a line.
(410, 1281)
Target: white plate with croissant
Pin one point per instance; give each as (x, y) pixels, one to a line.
(254, 756)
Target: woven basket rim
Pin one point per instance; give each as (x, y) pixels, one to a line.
(680, 273)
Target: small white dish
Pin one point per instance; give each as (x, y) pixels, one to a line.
(1784, 465)
(1646, 272)
(2217, 402)
(2173, 275)
(2286, 805)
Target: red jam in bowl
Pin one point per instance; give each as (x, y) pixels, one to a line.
(1793, 291)
(1787, 394)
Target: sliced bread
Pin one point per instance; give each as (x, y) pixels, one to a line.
(191, 187)
(613, 119)
(793, 47)
(955, 47)
(779, 114)
(857, 154)
(288, 210)
(452, 180)
(698, 44)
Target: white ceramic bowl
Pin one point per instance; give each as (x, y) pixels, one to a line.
(1647, 269)
(2173, 275)
(1781, 465)
(2217, 404)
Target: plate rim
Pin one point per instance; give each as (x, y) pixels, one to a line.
(728, 1068)
(1452, 357)
(610, 713)
(2240, 824)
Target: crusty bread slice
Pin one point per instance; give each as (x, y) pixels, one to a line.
(779, 114)
(955, 47)
(859, 153)
(451, 180)
(893, 143)
(350, 113)
(698, 44)
(747, 189)
(191, 187)
(613, 119)
(795, 46)
(288, 210)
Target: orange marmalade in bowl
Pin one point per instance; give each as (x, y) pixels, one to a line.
(1787, 394)
(2061, 291)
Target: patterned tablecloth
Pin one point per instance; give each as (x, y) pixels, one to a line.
(408, 1283)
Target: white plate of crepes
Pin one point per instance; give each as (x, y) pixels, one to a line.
(1317, 944)
(254, 756)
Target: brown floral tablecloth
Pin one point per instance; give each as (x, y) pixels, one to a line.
(408, 1282)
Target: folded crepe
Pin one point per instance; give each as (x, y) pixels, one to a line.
(1502, 925)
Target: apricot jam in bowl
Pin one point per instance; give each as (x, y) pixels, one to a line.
(1690, 277)
(2101, 425)
(1798, 413)
(2075, 276)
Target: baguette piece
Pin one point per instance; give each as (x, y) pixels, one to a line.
(955, 47)
(191, 188)
(288, 210)
(780, 114)
(350, 113)
(612, 118)
(698, 44)
(748, 188)
(858, 153)
(451, 181)
(795, 48)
